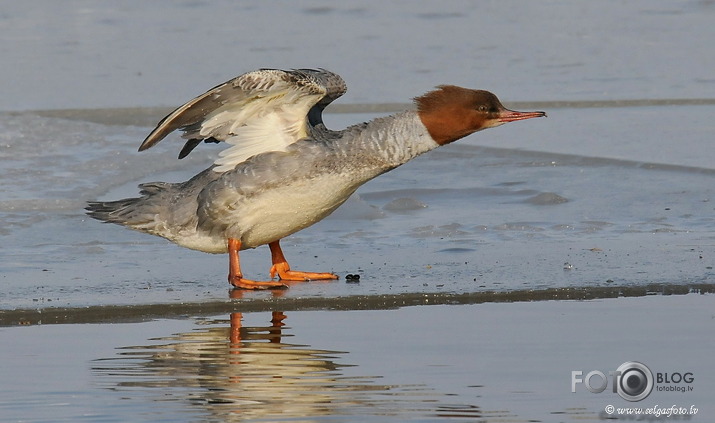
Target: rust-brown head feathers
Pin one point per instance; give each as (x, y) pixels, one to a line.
(450, 112)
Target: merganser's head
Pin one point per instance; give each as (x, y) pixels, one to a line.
(450, 113)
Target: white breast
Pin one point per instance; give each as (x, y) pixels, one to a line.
(284, 210)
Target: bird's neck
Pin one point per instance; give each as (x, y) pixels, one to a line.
(394, 139)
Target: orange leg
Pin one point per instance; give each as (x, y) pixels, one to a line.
(276, 327)
(235, 277)
(282, 269)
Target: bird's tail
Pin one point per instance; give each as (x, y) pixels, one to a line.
(141, 213)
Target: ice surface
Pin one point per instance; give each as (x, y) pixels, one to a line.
(462, 218)
(622, 192)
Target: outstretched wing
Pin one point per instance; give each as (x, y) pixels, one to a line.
(259, 111)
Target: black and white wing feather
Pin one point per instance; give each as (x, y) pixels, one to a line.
(259, 111)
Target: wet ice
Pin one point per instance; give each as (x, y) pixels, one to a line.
(507, 210)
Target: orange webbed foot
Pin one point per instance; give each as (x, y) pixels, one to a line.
(282, 270)
(240, 282)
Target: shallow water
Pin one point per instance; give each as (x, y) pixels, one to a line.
(488, 362)
(101, 54)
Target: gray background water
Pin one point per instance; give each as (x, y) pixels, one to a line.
(616, 195)
(87, 54)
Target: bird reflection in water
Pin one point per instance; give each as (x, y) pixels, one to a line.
(238, 372)
(234, 372)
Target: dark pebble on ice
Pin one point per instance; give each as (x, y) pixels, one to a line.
(350, 278)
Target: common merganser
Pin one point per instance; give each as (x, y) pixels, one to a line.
(284, 170)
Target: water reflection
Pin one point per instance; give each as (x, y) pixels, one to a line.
(233, 372)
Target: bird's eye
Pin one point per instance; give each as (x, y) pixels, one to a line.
(482, 108)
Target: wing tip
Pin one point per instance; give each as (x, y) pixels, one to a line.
(148, 142)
